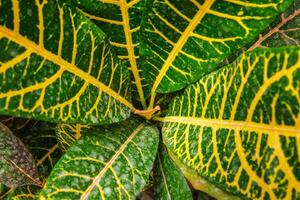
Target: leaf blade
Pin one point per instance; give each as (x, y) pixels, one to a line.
(98, 83)
(236, 128)
(123, 19)
(169, 183)
(115, 144)
(181, 45)
(17, 164)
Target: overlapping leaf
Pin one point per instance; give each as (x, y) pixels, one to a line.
(283, 31)
(17, 167)
(40, 139)
(121, 21)
(169, 183)
(56, 65)
(67, 134)
(113, 163)
(239, 127)
(184, 40)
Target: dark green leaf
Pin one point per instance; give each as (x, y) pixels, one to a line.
(67, 134)
(169, 183)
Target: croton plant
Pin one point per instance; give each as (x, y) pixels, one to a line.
(150, 99)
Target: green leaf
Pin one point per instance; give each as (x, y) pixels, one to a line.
(185, 40)
(239, 126)
(56, 65)
(200, 184)
(121, 21)
(169, 183)
(41, 141)
(112, 163)
(67, 134)
(17, 166)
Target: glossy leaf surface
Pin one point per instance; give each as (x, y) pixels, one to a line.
(67, 134)
(56, 65)
(183, 40)
(112, 163)
(239, 126)
(121, 21)
(17, 166)
(169, 183)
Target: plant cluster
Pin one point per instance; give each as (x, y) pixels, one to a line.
(149, 99)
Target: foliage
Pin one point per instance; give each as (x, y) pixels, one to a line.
(163, 99)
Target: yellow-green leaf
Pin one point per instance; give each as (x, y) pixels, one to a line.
(121, 21)
(239, 127)
(56, 65)
(183, 40)
(111, 163)
(67, 134)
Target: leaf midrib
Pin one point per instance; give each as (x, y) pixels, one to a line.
(242, 125)
(64, 65)
(131, 54)
(110, 162)
(179, 44)
(164, 176)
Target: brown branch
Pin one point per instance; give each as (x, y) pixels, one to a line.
(274, 30)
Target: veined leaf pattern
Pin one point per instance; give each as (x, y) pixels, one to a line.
(112, 163)
(67, 134)
(169, 183)
(183, 40)
(120, 19)
(56, 65)
(239, 126)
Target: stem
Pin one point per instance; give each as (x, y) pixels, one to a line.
(274, 30)
(147, 113)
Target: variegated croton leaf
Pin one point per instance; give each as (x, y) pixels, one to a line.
(121, 21)
(67, 134)
(183, 40)
(56, 65)
(111, 163)
(239, 126)
(17, 166)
